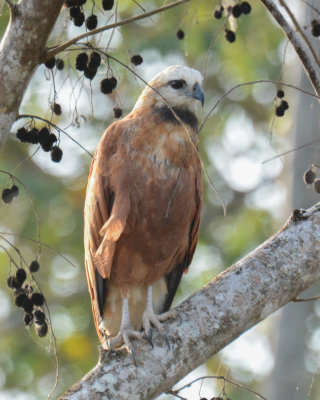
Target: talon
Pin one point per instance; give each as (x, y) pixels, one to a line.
(165, 336)
(132, 355)
(148, 338)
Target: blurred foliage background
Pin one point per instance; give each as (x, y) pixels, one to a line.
(235, 141)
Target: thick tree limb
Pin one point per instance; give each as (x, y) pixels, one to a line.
(269, 277)
(300, 47)
(21, 50)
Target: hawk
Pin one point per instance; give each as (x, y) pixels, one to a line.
(142, 208)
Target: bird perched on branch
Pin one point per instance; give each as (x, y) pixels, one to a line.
(142, 208)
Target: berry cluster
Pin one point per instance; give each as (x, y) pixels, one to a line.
(77, 15)
(311, 177)
(31, 302)
(89, 65)
(8, 194)
(44, 137)
(54, 62)
(241, 8)
(315, 28)
(281, 105)
(107, 85)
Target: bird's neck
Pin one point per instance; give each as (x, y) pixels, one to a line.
(175, 115)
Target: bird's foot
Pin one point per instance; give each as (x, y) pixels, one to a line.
(149, 318)
(123, 337)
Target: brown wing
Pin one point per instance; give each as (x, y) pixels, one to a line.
(98, 208)
(174, 277)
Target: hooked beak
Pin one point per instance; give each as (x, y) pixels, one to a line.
(197, 93)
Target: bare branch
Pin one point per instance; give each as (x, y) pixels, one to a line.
(300, 30)
(269, 277)
(10, 5)
(298, 45)
(52, 52)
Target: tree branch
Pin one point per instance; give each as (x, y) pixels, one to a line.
(269, 277)
(52, 52)
(298, 45)
(21, 50)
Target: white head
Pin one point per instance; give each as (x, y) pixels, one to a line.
(180, 86)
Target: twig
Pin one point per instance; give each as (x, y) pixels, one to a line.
(219, 378)
(52, 52)
(297, 300)
(299, 47)
(11, 5)
(300, 30)
(253, 83)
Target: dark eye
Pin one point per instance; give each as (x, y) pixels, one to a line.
(177, 84)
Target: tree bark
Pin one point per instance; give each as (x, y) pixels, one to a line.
(22, 49)
(269, 277)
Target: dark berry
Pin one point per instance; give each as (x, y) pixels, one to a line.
(34, 266)
(52, 138)
(218, 13)
(236, 11)
(89, 73)
(117, 112)
(113, 82)
(33, 136)
(47, 146)
(106, 86)
(56, 154)
(284, 105)
(50, 63)
(180, 34)
(39, 317)
(27, 305)
(7, 196)
(37, 299)
(309, 176)
(94, 61)
(81, 61)
(44, 135)
(316, 185)
(56, 108)
(22, 135)
(13, 283)
(107, 4)
(230, 35)
(20, 300)
(245, 7)
(74, 12)
(28, 319)
(21, 275)
(136, 59)
(59, 64)
(79, 20)
(279, 111)
(91, 22)
(280, 94)
(15, 190)
(42, 329)
(316, 30)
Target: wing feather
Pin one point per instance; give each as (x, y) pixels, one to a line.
(174, 277)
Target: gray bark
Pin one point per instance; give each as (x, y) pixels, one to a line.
(22, 49)
(290, 378)
(269, 277)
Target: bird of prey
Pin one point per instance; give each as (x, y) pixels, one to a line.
(142, 208)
